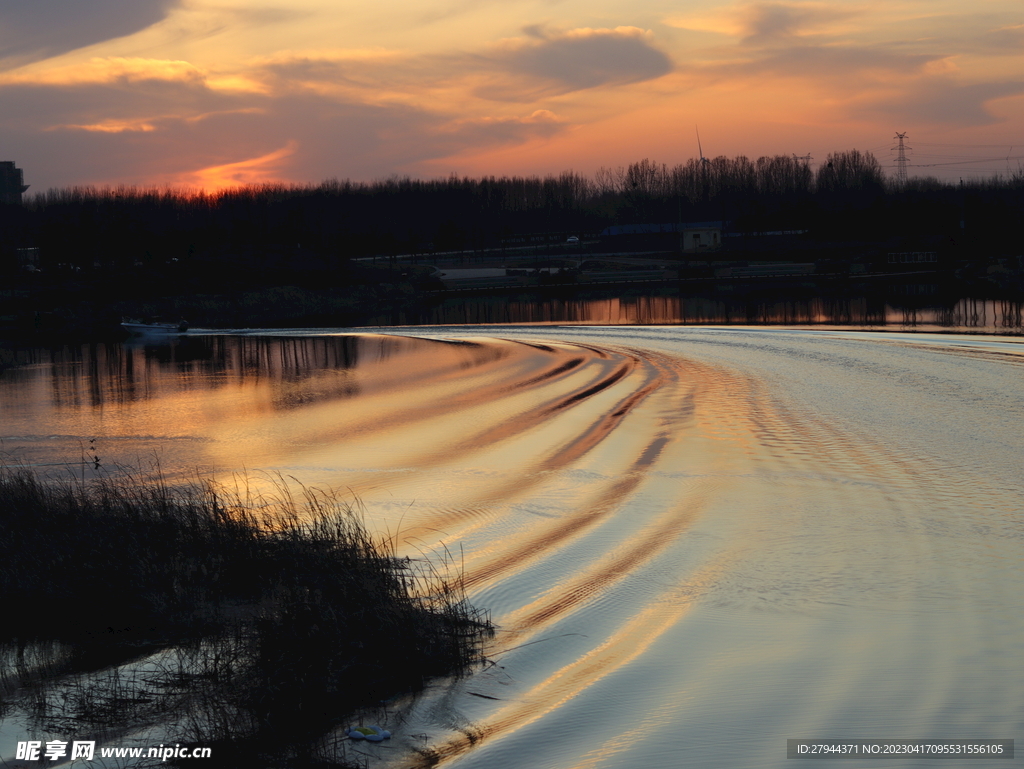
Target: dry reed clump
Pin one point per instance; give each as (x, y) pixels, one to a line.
(239, 620)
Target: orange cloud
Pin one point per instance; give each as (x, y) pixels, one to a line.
(502, 130)
(145, 125)
(107, 70)
(110, 126)
(536, 117)
(120, 69)
(258, 170)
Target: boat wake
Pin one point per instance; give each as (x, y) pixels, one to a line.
(696, 543)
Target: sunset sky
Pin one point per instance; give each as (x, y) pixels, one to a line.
(214, 93)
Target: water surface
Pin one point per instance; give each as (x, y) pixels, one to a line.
(910, 305)
(696, 542)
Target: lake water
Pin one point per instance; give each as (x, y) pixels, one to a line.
(897, 306)
(697, 543)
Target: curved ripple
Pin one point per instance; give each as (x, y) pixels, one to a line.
(696, 542)
(718, 541)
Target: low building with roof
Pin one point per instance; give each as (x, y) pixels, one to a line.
(688, 237)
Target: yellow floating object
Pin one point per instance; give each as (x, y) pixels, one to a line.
(371, 733)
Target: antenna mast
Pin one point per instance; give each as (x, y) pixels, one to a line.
(704, 163)
(703, 160)
(901, 160)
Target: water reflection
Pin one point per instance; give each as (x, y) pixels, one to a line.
(901, 307)
(139, 399)
(101, 374)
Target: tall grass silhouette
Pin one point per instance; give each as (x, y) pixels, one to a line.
(240, 620)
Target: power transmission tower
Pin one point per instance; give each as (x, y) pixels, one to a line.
(901, 160)
(806, 158)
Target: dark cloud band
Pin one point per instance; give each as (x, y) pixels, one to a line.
(582, 59)
(39, 29)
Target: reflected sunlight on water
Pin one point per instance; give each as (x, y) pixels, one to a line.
(696, 542)
(907, 306)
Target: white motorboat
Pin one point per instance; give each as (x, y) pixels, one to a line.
(153, 327)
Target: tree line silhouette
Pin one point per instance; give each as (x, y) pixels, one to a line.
(273, 227)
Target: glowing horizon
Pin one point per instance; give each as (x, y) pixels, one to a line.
(187, 92)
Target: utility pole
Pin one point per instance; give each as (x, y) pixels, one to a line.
(901, 160)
